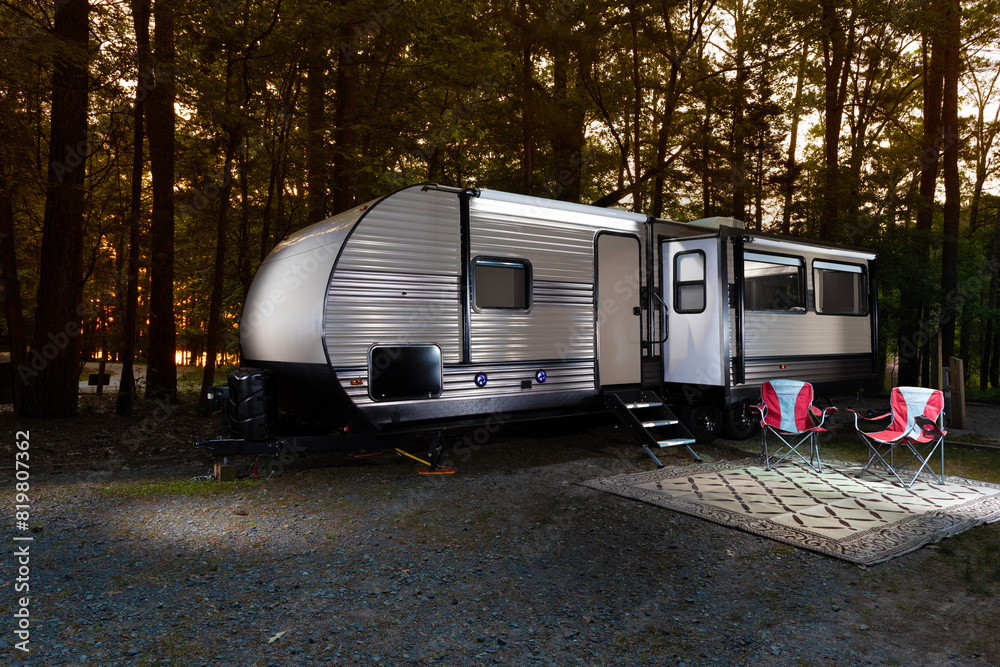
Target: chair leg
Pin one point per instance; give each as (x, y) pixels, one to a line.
(814, 452)
(876, 456)
(792, 447)
(925, 461)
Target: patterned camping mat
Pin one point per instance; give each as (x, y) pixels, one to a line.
(866, 521)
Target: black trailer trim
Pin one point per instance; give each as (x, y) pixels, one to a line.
(389, 415)
(650, 294)
(873, 311)
(465, 225)
(740, 362)
(727, 304)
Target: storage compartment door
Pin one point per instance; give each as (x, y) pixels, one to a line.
(695, 347)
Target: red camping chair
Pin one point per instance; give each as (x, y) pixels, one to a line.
(917, 425)
(787, 412)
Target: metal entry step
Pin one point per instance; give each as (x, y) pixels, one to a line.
(659, 422)
(650, 422)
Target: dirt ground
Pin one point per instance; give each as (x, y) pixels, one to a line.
(937, 606)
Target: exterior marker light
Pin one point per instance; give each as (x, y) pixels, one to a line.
(481, 379)
(541, 376)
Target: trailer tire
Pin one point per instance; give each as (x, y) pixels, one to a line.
(704, 422)
(738, 422)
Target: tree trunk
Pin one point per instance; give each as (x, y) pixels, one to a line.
(161, 372)
(791, 170)
(568, 127)
(986, 134)
(278, 156)
(838, 46)
(527, 100)
(952, 185)
(636, 110)
(706, 158)
(995, 362)
(219, 276)
(678, 56)
(929, 158)
(738, 159)
(126, 385)
(344, 134)
(911, 299)
(991, 304)
(12, 290)
(53, 369)
(244, 262)
(315, 140)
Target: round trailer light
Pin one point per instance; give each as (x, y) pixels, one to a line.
(541, 376)
(481, 379)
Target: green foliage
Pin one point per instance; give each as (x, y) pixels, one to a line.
(572, 100)
(198, 489)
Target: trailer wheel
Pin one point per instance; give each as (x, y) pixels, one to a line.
(738, 422)
(704, 421)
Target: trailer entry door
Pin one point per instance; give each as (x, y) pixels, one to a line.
(694, 350)
(619, 326)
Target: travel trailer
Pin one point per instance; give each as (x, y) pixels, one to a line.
(437, 306)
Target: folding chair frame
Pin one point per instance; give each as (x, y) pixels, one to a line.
(920, 451)
(921, 440)
(787, 437)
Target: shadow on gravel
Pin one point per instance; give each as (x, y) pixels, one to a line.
(507, 562)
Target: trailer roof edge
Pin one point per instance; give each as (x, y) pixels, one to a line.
(777, 240)
(573, 207)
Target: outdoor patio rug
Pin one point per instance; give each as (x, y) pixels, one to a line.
(863, 520)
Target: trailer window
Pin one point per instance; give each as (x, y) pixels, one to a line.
(841, 289)
(501, 283)
(689, 282)
(773, 283)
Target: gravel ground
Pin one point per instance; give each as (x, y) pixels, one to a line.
(506, 562)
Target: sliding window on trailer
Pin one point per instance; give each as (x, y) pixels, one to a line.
(773, 282)
(840, 289)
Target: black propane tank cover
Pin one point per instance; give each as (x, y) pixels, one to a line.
(252, 407)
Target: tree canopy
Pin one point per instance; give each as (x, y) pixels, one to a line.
(210, 131)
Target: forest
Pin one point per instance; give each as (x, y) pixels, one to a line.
(155, 151)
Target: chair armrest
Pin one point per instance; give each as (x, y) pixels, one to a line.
(866, 417)
(929, 426)
(821, 415)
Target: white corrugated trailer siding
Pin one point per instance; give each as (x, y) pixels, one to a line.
(398, 281)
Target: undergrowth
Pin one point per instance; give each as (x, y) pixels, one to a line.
(176, 487)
